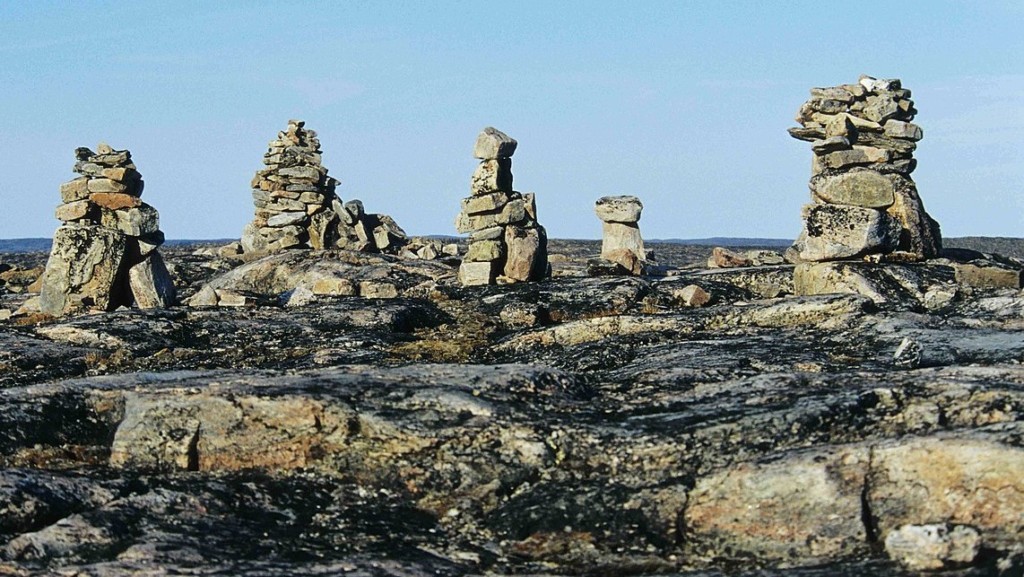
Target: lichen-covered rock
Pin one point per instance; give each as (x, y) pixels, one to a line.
(83, 270)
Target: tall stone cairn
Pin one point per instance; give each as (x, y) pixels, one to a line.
(297, 205)
(104, 255)
(506, 243)
(292, 195)
(863, 201)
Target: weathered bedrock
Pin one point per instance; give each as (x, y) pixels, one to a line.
(580, 425)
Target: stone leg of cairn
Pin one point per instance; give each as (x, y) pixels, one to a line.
(621, 241)
(105, 254)
(863, 200)
(506, 243)
(297, 205)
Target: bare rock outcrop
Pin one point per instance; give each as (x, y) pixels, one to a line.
(506, 243)
(104, 255)
(864, 201)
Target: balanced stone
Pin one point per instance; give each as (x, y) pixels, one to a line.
(619, 209)
(493, 143)
(621, 240)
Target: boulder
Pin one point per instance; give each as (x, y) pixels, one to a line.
(836, 232)
(83, 270)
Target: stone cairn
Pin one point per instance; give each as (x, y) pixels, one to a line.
(105, 254)
(621, 241)
(864, 203)
(297, 205)
(506, 244)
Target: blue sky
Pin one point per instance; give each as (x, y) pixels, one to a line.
(684, 104)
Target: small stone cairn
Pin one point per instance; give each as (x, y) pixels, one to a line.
(621, 241)
(297, 205)
(506, 244)
(104, 255)
(864, 203)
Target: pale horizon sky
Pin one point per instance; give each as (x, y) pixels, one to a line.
(683, 104)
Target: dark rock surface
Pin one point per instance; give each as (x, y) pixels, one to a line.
(583, 425)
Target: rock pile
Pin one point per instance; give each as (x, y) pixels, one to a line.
(506, 244)
(863, 199)
(621, 241)
(104, 255)
(297, 205)
(292, 195)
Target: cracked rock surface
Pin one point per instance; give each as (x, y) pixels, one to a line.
(581, 425)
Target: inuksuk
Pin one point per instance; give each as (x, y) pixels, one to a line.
(104, 255)
(621, 241)
(297, 205)
(506, 243)
(863, 202)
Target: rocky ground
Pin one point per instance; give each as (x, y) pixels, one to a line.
(582, 425)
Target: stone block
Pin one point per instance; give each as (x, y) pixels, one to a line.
(106, 185)
(837, 232)
(477, 273)
(322, 230)
(151, 284)
(301, 173)
(74, 211)
(858, 155)
(526, 258)
(514, 212)
(492, 176)
(625, 209)
(121, 174)
(903, 130)
(82, 270)
(485, 251)
(287, 219)
(115, 200)
(859, 187)
(618, 235)
(491, 202)
(137, 221)
(77, 189)
(492, 144)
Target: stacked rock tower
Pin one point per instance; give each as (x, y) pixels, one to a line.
(297, 205)
(292, 195)
(864, 203)
(621, 242)
(104, 255)
(506, 243)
